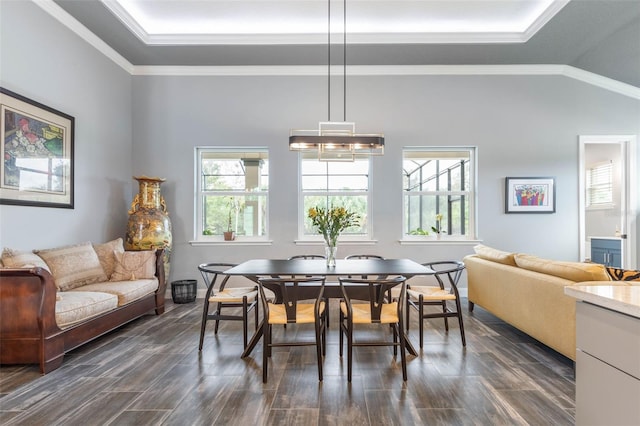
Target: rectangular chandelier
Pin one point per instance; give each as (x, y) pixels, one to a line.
(336, 141)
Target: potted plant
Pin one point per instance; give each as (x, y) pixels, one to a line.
(229, 234)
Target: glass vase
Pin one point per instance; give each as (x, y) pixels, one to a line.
(330, 252)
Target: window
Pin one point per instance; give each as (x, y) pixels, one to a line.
(339, 184)
(439, 181)
(600, 185)
(233, 189)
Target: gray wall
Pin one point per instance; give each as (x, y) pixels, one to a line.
(522, 126)
(56, 68)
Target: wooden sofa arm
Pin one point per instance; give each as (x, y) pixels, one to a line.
(28, 318)
(162, 283)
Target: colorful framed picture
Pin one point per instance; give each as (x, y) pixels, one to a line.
(530, 195)
(37, 153)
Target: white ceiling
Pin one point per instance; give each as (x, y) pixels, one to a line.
(260, 22)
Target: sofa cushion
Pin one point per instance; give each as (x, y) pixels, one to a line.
(126, 291)
(106, 256)
(73, 307)
(495, 255)
(618, 274)
(574, 271)
(73, 266)
(134, 265)
(12, 258)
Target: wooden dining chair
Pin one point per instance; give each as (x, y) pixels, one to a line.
(307, 256)
(447, 275)
(223, 297)
(366, 302)
(287, 309)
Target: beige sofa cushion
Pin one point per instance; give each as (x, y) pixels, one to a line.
(12, 258)
(126, 291)
(134, 265)
(574, 271)
(495, 255)
(106, 255)
(73, 266)
(73, 307)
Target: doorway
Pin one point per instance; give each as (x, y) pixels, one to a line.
(607, 211)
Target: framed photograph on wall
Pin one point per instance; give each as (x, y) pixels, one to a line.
(37, 153)
(530, 195)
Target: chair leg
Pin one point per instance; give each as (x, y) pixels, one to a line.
(319, 326)
(341, 326)
(421, 319)
(403, 355)
(349, 351)
(444, 311)
(458, 307)
(408, 309)
(266, 335)
(205, 314)
(219, 311)
(245, 321)
(255, 308)
(394, 329)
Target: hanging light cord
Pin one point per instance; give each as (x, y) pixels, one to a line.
(344, 59)
(328, 60)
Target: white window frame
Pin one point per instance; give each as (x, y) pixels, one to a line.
(199, 194)
(302, 214)
(471, 194)
(602, 167)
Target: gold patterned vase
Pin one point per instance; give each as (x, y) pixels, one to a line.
(149, 226)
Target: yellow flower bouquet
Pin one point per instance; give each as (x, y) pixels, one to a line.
(331, 222)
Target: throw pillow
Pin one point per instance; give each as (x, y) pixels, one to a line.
(495, 255)
(106, 257)
(573, 271)
(134, 265)
(73, 266)
(22, 259)
(618, 274)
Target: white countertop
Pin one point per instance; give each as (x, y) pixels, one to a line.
(624, 299)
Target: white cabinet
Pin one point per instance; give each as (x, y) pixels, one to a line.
(607, 367)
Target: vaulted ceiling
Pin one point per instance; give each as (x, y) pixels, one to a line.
(600, 36)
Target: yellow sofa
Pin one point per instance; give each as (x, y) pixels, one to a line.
(528, 292)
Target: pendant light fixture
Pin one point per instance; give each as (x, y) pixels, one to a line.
(336, 140)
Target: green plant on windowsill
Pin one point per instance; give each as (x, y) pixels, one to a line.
(419, 231)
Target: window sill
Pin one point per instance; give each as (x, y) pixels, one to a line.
(240, 242)
(340, 243)
(433, 241)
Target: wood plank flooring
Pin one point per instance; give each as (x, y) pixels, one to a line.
(150, 373)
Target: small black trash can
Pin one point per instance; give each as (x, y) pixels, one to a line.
(184, 291)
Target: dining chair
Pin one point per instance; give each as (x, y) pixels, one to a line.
(367, 256)
(365, 302)
(307, 256)
(287, 309)
(447, 275)
(364, 256)
(223, 297)
(313, 256)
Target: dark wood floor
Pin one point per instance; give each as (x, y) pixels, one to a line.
(150, 372)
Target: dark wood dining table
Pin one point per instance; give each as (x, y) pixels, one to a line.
(257, 268)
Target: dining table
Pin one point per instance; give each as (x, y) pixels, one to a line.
(257, 268)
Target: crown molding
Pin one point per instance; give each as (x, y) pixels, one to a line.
(362, 70)
(83, 32)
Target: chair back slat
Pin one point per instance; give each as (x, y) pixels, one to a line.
(378, 291)
(451, 269)
(210, 273)
(287, 292)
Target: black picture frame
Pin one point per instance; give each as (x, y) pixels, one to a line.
(37, 152)
(529, 195)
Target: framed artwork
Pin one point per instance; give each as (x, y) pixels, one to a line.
(37, 153)
(530, 195)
